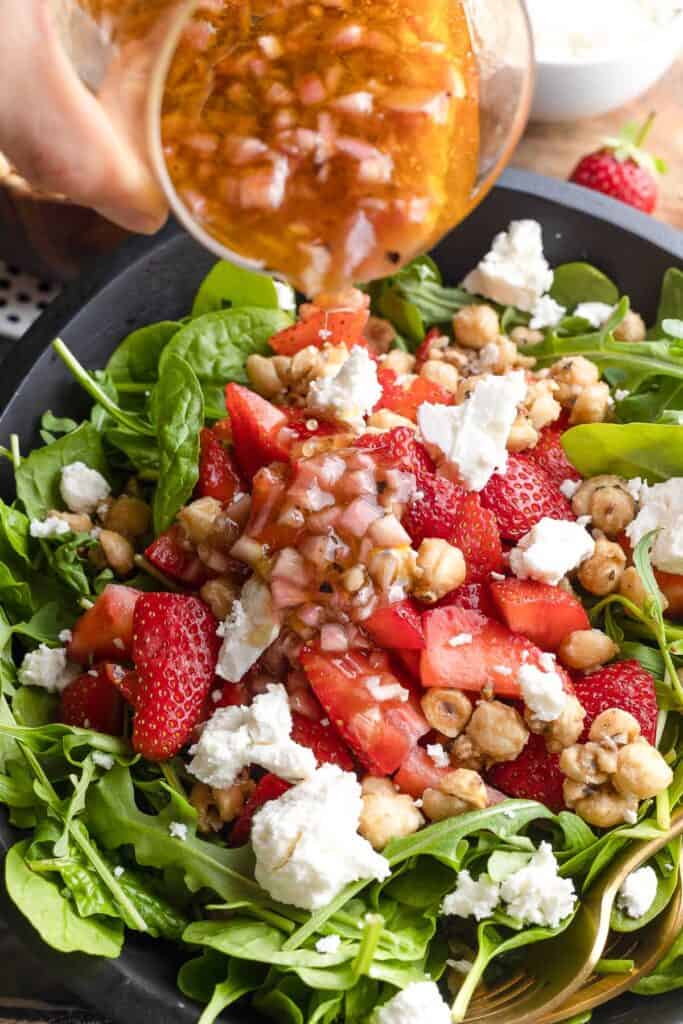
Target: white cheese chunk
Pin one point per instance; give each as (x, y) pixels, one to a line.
(177, 830)
(543, 692)
(439, 755)
(46, 529)
(550, 550)
(515, 272)
(328, 944)
(350, 394)
(546, 313)
(638, 892)
(306, 842)
(596, 313)
(473, 436)
(258, 734)
(419, 1003)
(472, 898)
(661, 508)
(102, 760)
(83, 488)
(569, 488)
(535, 894)
(48, 668)
(250, 628)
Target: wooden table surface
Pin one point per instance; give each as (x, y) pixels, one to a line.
(555, 149)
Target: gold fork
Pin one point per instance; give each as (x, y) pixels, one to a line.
(559, 980)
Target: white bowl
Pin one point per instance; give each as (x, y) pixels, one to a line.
(567, 91)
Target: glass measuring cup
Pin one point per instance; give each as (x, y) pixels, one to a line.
(128, 74)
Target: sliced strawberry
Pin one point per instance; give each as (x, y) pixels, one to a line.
(418, 772)
(433, 510)
(541, 613)
(522, 496)
(337, 327)
(625, 685)
(92, 701)
(270, 787)
(175, 649)
(173, 555)
(476, 534)
(550, 456)
(269, 488)
(534, 775)
(493, 657)
(398, 449)
(303, 425)
(671, 585)
(409, 662)
(323, 740)
(474, 597)
(406, 401)
(105, 631)
(424, 351)
(218, 477)
(380, 732)
(397, 625)
(232, 695)
(256, 425)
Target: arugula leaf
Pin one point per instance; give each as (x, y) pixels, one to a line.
(33, 707)
(39, 474)
(53, 916)
(227, 285)
(178, 409)
(670, 301)
(653, 451)
(51, 426)
(137, 357)
(574, 283)
(217, 345)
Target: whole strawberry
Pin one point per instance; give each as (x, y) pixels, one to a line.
(623, 169)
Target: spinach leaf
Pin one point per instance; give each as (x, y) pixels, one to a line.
(653, 451)
(39, 474)
(139, 450)
(137, 357)
(178, 411)
(33, 707)
(670, 301)
(52, 914)
(15, 593)
(666, 886)
(14, 532)
(574, 283)
(227, 285)
(51, 426)
(217, 345)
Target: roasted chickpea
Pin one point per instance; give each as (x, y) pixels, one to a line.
(641, 771)
(129, 516)
(220, 595)
(600, 574)
(447, 711)
(592, 405)
(602, 807)
(440, 569)
(380, 334)
(573, 375)
(398, 361)
(467, 785)
(385, 419)
(498, 730)
(476, 326)
(565, 730)
(585, 649)
(541, 405)
(588, 763)
(466, 754)
(263, 376)
(631, 586)
(631, 328)
(386, 814)
(608, 502)
(441, 373)
(198, 518)
(523, 435)
(118, 552)
(614, 728)
(79, 522)
(526, 336)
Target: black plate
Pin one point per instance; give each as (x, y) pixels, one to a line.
(156, 279)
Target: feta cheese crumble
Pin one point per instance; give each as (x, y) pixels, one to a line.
(102, 760)
(472, 898)
(83, 488)
(473, 436)
(535, 894)
(328, 944)
(515, 272)
(119, 871)
(250, 628)
(177, 830)
(569, 488)
(65, 636)
(542, 692)
(638, 892)
(661, 508)
(258, 734)
(551, 549)
(46, 529)
(306, 842)
(419, 1003)
(48, 668)
(351, 393)
(439, 755)
(546, 313)
(596, 313)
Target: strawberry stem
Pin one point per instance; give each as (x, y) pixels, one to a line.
(646, 129)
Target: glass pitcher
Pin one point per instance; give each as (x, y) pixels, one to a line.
(124, 51)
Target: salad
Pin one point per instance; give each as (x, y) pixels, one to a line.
(342, 646)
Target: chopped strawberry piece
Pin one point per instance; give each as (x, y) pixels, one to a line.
(671, 585)
(256, 425)
(534, 775)
(625, 685)
(232, 695)
(269, 488)
(223, 430)
(398, 449)
(336, 327)
(493, 657)
(441, 508)
(397, 625)
(550, 456)
(175, 649)
(541, 613)
(127, 685)
(270, 787)
(522, 496)
(303, 425)
(381, 732)
(218, 477)
(323, 740)
(172, 554)
(406, 401)
(474, 597)
(105, 631)
(418, 772)
(92, 701)
(423, 352)
(409, 661)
